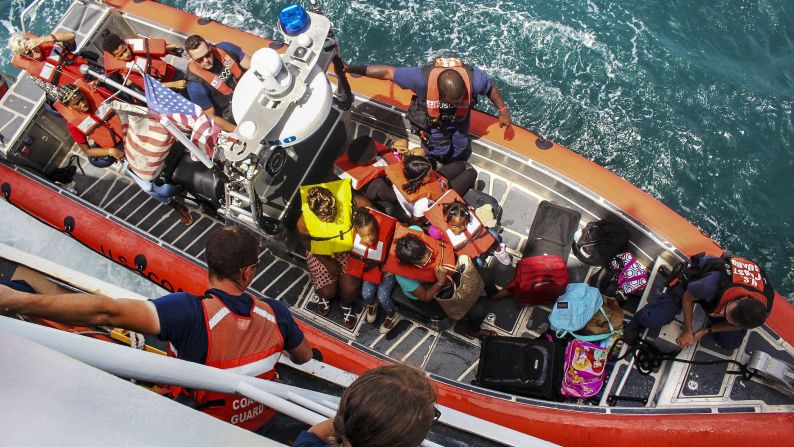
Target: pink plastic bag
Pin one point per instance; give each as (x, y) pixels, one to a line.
(585, 369)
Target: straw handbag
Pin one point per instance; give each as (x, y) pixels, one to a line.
(467, 285)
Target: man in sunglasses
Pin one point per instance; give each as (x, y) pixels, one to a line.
(213, 73)
(224, 328)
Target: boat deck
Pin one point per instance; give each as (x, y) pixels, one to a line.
(518, 183)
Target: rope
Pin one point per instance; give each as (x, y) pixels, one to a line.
(648, 357)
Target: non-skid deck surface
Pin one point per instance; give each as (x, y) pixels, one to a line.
(449, 353)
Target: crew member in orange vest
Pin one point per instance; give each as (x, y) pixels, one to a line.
(47, 58)
(735, 293)
(444, 94)
(417, 185)
(371, 244)
(224, 327)
(129, 58)
(420, 264)
(213, 73)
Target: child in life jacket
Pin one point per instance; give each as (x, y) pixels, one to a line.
(459, 217)
(418, 185)
(370, 249)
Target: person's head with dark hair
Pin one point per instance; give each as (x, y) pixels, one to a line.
(71, 96)
(366, 226)
(746, 313)
(457, 215)
(411, 250)
(322, 203)
(451, 87)
(389, 406)
(114, 45)
(362, 151)
(230, 251)
(199, 51)
(415, 169)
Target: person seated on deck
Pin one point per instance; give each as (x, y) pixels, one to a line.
(734, 292)
(129, 58)
(456, 222)
(440, 110)
(417, 185)
(224, 327)
(47, 58)
(371, 244)
(420, 261)
(388, 406)
(325, 228)
(213, 73)
(92, 119)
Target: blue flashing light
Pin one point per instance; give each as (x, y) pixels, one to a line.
(294, 20)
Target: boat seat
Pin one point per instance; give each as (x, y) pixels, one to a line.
(427, 313)
(478, 198)
(196, 178)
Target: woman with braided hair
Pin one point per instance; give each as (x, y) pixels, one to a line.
(325, 228)
(417, 184)
(369, 415)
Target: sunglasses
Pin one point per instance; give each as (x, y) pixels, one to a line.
(427, 261)
(206, 55)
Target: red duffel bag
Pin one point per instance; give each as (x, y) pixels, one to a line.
(538, 280)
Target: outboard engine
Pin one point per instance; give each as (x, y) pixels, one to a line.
(288, 130)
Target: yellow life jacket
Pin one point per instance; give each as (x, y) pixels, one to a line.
(328, 238)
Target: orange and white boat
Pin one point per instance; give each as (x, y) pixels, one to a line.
(291, 138)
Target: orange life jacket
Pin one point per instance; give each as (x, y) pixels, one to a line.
(473, 241)
(433, 98)
(100, 124)
(246, 345)
(147, 54)
(442, 254)
(746, 278)
(365, 261)
(434, 187)
(59, 66)
(360, 176)
(225, 87)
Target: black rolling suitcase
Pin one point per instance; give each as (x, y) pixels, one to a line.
(532, 368)
(552, 231)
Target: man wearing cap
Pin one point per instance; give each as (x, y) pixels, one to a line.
(213, 73)
(444, 94)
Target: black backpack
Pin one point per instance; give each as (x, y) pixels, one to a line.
(601, 241)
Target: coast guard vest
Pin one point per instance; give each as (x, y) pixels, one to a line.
(434, 187)
(146, 55)
(58, 66)
(428, 113)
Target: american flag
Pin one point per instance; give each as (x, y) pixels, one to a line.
(187, 116)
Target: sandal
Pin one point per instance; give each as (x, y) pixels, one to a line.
(323, 306)
(184, 215)
(389, 323)
(348, 317)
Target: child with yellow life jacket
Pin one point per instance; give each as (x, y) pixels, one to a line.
(371, 243)
(325, 228)
(128, 59)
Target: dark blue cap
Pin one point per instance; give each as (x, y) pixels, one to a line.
(294, 20)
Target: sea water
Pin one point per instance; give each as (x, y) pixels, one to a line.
(689, 100)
